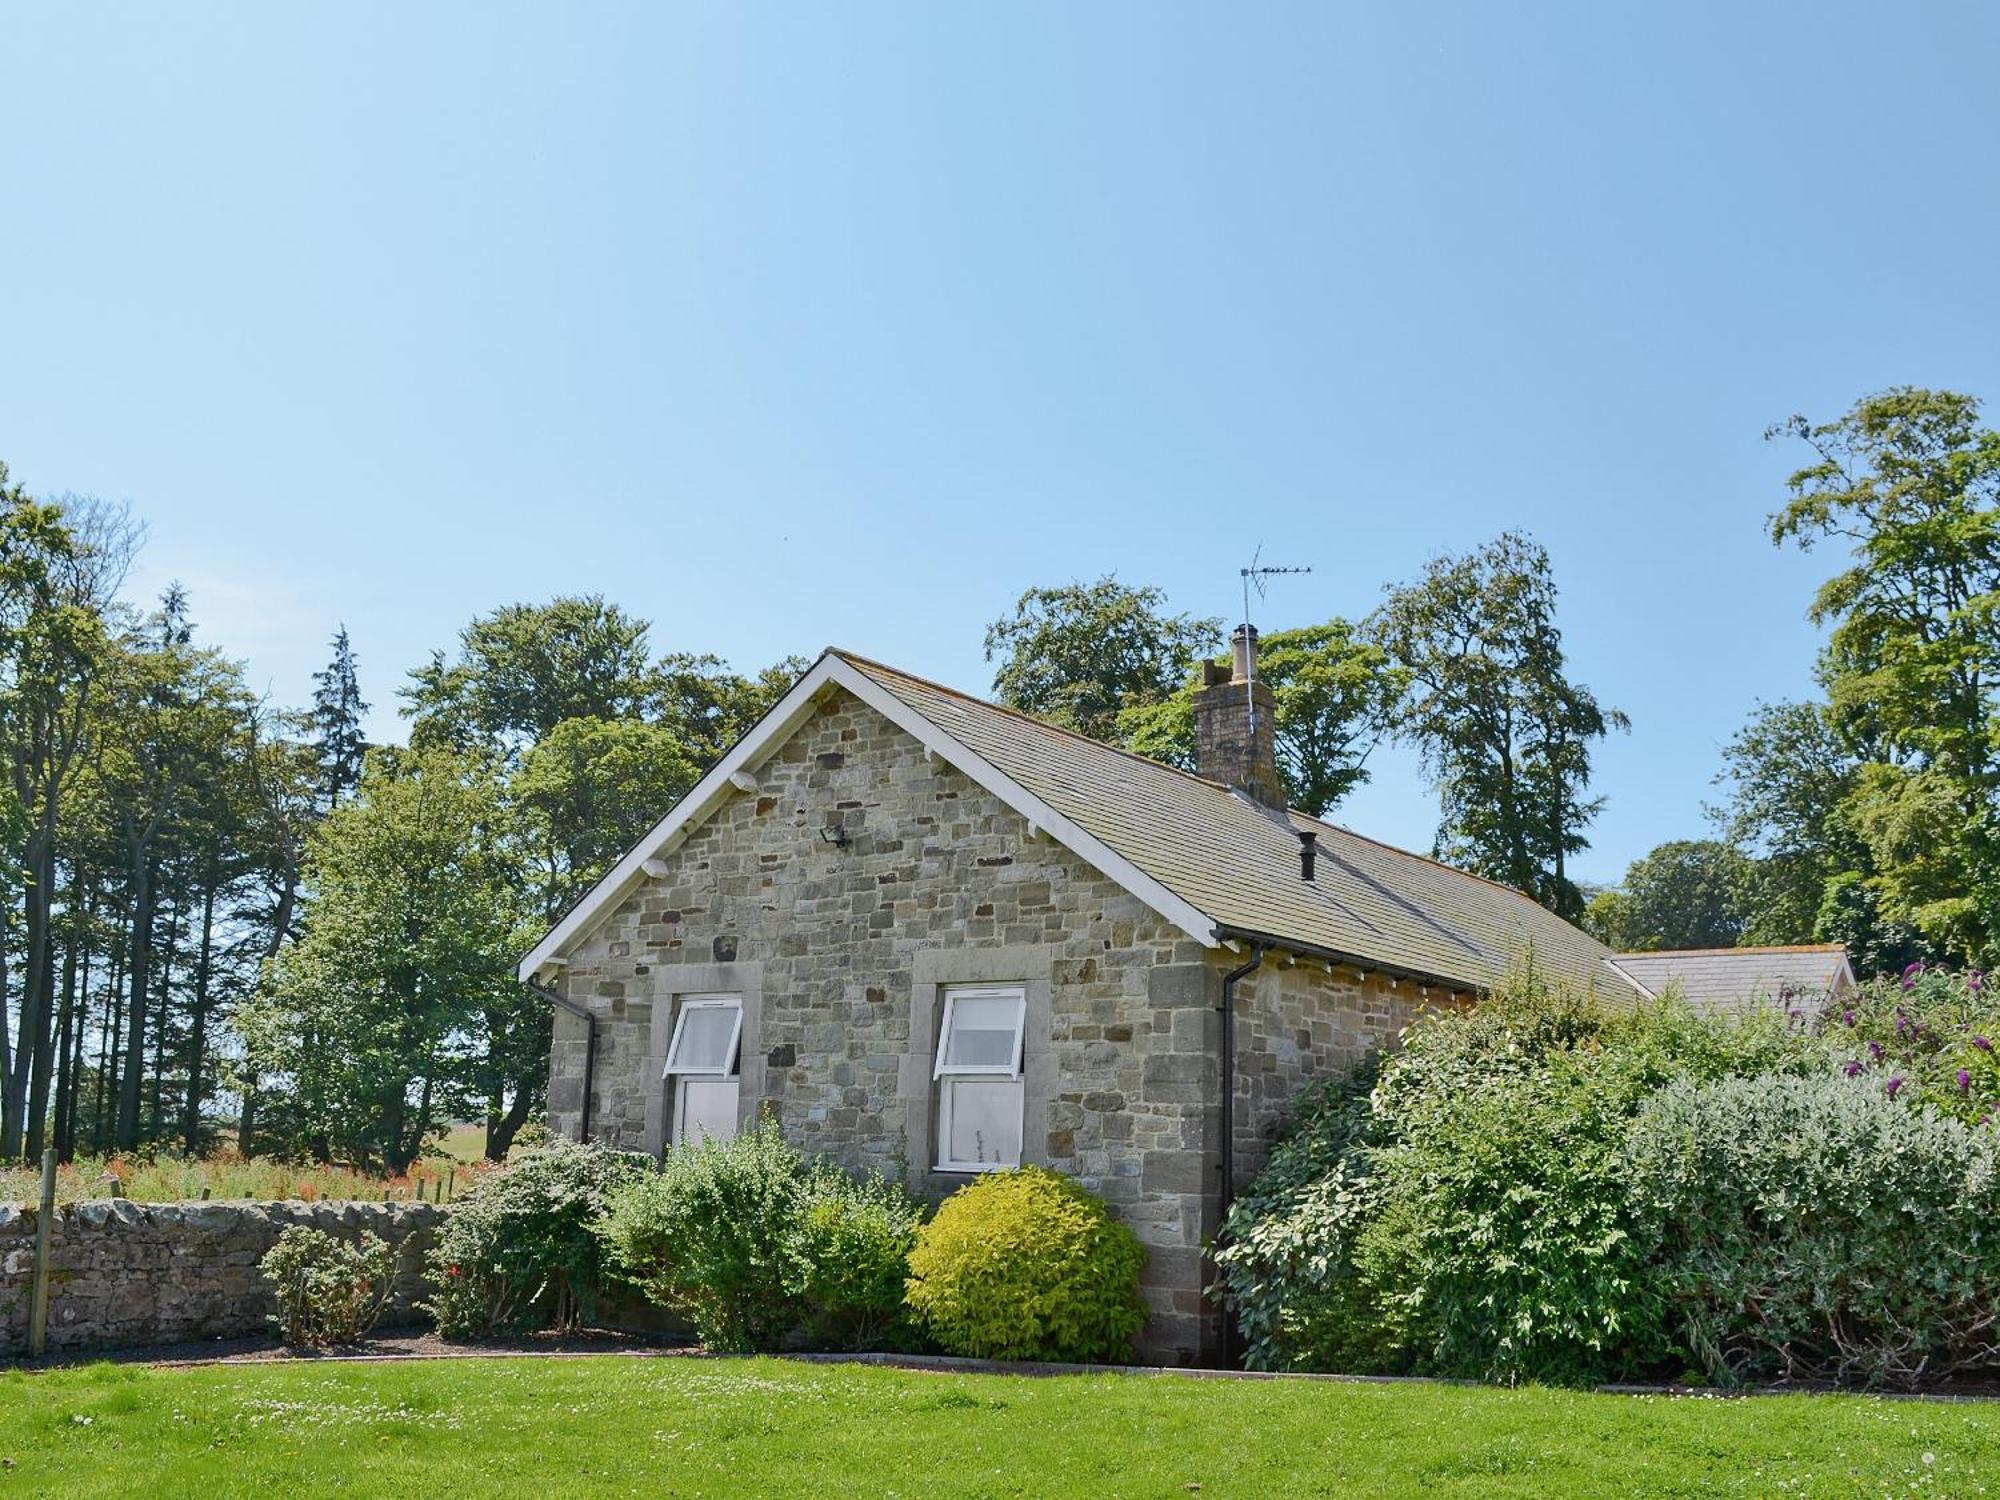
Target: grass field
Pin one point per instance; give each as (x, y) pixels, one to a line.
(694, 1427)
(174, 1179)
(462, 1143)
(452, 1166)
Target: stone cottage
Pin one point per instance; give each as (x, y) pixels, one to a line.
(935, 937)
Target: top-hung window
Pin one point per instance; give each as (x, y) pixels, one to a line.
(980, 1092)
(701, 1061)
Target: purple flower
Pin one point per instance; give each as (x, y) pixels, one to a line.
(1853, 1068)
(1964, 1081)
(1975, 981)
(1910, 974)
(1847, 1017)
(1875, 1051)
(1895, 1086)
(1902, 1023)
(1982, 1044)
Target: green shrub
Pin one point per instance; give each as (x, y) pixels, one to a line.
(847, 1260)
(1286, 1260)
(1925, 1033)
(1817, 1228)
(755, 1244)
(330, 1290)
(1027, 1265)
(1499, 1244)
(519, 1251)
(706, 1236)
(1463, 1212)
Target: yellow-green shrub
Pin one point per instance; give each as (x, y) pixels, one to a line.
(1027, 1265)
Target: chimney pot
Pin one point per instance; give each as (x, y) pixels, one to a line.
(1243, 651)
(1308, 850)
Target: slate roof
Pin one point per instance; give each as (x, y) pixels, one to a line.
(1731, 978)
(1238, 862)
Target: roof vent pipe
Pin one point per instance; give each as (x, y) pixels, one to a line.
(1308, 850)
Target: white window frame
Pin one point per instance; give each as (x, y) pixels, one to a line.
(731, 1069)
(945, 1075)
(690, 1003)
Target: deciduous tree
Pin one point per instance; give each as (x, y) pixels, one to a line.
(1909, 481)
(386, 1012)
(1081, 654)
(1504, 733)
(1688, 893)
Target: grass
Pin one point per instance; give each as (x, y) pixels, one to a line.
(466, 1143)
(450, 1166)
(174, 1179)
(692, 1427)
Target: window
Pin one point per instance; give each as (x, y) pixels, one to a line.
(701, 1062)
(978, 1073)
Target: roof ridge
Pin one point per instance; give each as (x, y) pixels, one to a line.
(1747, 948)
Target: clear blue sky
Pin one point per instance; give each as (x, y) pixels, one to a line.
(795, 325)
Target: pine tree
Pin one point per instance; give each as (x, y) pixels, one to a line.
(335, 720)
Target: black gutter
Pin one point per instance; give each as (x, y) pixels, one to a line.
(1258, 948)
(589, 1019)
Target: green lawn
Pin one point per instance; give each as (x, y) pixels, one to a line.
(464, 1143)
(684, 1427)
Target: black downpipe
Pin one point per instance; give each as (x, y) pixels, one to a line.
(1231, 1352)
(589, 1019)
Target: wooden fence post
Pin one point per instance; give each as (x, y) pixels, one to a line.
(45, 1225)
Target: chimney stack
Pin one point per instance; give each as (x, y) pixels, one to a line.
(1234, 718)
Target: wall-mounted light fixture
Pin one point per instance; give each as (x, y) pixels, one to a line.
(836, 836)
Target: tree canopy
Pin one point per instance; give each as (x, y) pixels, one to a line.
(1687, 893)
(387, 1013)
(1081, 654)
(1909, 482)
(1504, 733)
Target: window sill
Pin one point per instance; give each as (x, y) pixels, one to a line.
(972, 1168)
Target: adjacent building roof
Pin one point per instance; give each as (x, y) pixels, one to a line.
(1731, 978)
(1204, 856)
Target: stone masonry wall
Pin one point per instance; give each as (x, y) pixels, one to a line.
(129, 1274)
(840, 955)
(1297, 1022)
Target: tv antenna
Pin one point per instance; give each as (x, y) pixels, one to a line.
(1258, 575)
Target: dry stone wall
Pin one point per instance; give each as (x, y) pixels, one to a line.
(128, 1274)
